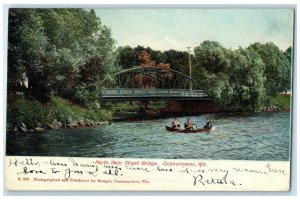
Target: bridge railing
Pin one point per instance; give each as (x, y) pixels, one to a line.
(148, 83)
(142, 92)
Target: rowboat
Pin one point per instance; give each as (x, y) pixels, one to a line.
(199, 130)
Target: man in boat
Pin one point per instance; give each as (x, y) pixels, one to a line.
(208, 124)
(189, 124)
(176, 123)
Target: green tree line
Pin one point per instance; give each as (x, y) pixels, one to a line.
(240, 79)
(69, 53)
(63, 52)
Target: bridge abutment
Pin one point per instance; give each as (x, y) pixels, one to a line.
(192, 107)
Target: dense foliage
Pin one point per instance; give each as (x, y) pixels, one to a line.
(69, 53)
(65, 52)
(240, 79)
(31, 112)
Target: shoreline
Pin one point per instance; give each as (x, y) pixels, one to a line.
(63, 114)
(138, 115)
(57, 126)
(142, 116)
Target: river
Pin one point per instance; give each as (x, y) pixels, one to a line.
(259, 136)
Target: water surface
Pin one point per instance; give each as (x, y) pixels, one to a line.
(263, 136)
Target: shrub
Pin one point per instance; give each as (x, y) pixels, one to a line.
(30, 112)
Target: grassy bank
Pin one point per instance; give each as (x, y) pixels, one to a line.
(280, 102)
(33, 113)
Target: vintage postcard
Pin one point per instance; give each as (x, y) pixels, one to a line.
(143, 99)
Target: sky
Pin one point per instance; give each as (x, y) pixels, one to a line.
(164, 29)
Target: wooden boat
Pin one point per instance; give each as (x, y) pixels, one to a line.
(199, 130)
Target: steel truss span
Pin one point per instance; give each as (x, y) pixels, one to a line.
(152, 83)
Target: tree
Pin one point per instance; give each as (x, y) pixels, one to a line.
(211, 64)
(212, 56)
(127, 57)
(247, 79)
(178, 60)
(277, 67)
(56, 48)
(288, 68)
(26, 50)
(233, 78)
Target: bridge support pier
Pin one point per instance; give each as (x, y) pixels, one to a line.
(146, 104)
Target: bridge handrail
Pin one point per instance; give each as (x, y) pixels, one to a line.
(153, 92)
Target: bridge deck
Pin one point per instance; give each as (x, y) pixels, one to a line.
(153, 94)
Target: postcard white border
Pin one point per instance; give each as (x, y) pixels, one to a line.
(124, 174)
(295, 139)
